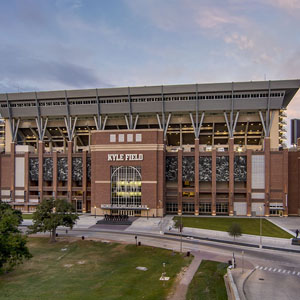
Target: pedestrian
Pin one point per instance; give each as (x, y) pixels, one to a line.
(297, 232)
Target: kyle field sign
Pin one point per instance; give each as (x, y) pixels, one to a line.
(124, 157)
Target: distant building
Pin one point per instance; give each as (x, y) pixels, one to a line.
(295, 131)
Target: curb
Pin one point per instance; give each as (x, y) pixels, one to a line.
(232, 286)
(243, 288)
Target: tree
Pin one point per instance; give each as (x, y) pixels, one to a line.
(12, 243)
(235, 230)
(53, 213)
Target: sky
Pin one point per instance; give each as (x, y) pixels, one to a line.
(74, 44)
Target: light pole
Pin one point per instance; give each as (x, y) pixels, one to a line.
(243, 261)
(260, 228)
(161, 220)
(181, 227)
(95, 208)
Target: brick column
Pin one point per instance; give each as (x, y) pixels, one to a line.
(70, 151)
(231, 176)
(54, 180)
(41, 146)
(285, 181)
(26, 183)
(196, 190)
(267, 143)
(249, 181)
(12, 171)
(213, 182)
(179, 181)
(84, 181)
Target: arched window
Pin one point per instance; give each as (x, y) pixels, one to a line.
(126, 186)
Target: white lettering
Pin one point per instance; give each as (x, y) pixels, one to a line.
(122, 157)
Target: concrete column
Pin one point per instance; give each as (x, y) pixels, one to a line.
(54, 182)
(26, 185)
(213, 182)
(267, 175)
(196, 190)
(41, 146)
(84, 180)
(70, 151)
(285, 181)
(231, 176)
(8, 136)
(179, 181)
(12, 170)
(249, 181)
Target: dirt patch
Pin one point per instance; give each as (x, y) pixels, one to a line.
(177, 282)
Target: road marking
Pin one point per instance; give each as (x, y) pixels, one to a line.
(283, 271)
(294, 272)
(265, 268)
(279, 270)
(298, 273)
(270, 269)
(261, 267)
(275, 270)
(256, 267)
(288, 272)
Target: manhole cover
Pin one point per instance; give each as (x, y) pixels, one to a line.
(261, 279)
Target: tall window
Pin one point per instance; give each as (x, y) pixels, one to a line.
(126, 186)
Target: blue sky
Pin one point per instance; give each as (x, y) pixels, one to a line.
(66, 44)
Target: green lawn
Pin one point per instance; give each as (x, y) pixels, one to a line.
(208, 282)
(248, 225)
(27, 216)
(91, 270)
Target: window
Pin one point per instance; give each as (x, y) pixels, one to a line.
(188, 207)
(205, 208)
(222, 208)
(112, 138)
(138, 137)
(121, 138)
(172, 207)
(126, 186)
(130, 137)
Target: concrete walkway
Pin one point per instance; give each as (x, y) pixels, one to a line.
(182, 287)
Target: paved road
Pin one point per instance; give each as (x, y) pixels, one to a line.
(272, 285)
(252, 256)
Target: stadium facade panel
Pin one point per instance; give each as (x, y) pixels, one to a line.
(216, 149)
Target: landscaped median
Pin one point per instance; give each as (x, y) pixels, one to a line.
(75, 269)
(248, 225)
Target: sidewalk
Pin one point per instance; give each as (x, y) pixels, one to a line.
(156, 225)
(245, 238)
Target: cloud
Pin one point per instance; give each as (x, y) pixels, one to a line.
(40, 73)
(289, 5)
(242, 41)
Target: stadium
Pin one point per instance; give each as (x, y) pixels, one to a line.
(211, 149)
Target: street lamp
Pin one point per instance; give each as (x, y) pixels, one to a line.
(181, 227)
(161, 220)
(95, 208)
(260, 227)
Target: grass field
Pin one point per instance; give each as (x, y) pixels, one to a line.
(208, 282)
(27, 216)
(91, 270)
(248, 225)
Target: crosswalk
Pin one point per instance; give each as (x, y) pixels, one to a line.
(278, 270)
